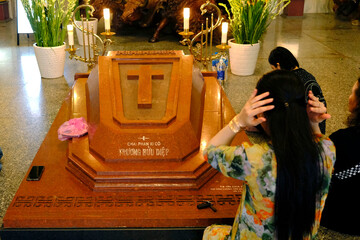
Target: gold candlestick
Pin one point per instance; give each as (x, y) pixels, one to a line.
(107, 34)
(91, 52)
(198, 51)
(223, 47)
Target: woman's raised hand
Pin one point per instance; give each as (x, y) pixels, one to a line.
(254, 106)
(316, 110)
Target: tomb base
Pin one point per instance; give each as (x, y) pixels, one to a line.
(63, 206)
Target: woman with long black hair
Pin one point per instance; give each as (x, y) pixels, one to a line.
(287, 176)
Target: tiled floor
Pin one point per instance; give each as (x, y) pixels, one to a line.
(326, 47)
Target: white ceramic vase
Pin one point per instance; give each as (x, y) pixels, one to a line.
(51, 60)
(243, 58)
(93, 22)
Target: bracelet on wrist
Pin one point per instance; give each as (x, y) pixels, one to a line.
(234, 125)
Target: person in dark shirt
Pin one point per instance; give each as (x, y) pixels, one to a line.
(282, 58)
(342, 210)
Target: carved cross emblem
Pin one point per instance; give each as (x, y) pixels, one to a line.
(143, 138)
(145, 75)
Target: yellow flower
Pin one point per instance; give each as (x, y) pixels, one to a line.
(246, 234)
(256, 152)
(229, 153)
(216, 232)
(223, 169)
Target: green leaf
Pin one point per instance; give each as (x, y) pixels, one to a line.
(249, 19)
(48, 20)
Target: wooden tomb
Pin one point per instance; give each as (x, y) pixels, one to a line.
(150, 115)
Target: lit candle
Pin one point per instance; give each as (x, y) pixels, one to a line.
(107, 19)
(70, 30)
(186, 18)
(224, 30)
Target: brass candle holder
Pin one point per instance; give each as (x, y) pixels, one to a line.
(202, 51)
(91, 51)
(223, 47)
(186, 34)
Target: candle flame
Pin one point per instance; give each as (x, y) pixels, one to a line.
(186, 12)
(106, 13)
(225, 27)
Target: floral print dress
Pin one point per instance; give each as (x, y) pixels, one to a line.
(256, 165)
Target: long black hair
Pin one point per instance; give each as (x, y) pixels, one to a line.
(354, 117)
(284, 57)
(299, 173)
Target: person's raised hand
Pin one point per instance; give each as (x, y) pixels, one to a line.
(254, 106)
(316, 110)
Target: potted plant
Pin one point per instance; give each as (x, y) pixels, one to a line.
(48, 20)
(249, 20)
(90, 23)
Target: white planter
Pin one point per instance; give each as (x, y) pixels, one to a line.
(243, 58)
(93, 22)
(51, 60)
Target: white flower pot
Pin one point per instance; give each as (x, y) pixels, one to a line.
(51, 60)
(92, 25)
(243, 58)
